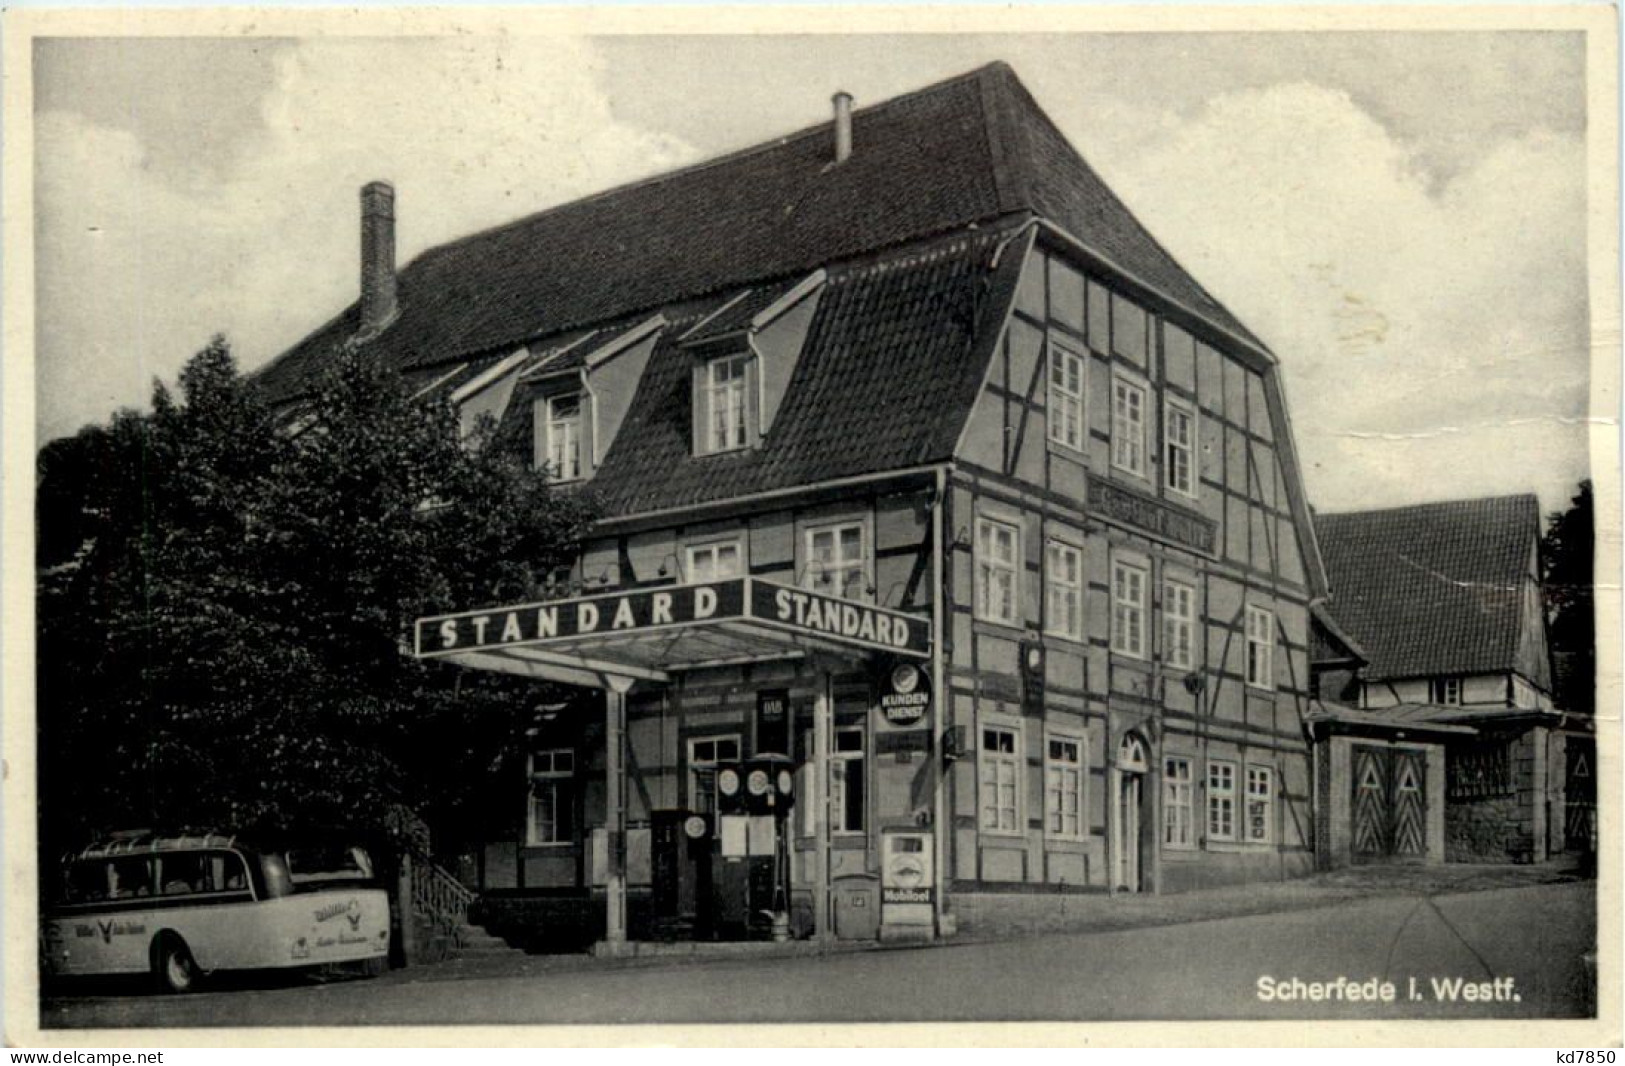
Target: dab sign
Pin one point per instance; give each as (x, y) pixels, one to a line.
(905, 695)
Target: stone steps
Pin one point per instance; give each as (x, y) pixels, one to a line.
(474, 942)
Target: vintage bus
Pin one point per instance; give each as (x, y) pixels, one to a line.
(182, 907)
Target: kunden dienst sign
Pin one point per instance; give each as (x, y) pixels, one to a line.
(741, 599)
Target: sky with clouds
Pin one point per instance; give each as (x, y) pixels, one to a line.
(1400, 216)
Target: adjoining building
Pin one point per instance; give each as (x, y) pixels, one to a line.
(939, 503)
(1438, 738)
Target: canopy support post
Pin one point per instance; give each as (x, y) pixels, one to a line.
(823, 715)
(615, 689)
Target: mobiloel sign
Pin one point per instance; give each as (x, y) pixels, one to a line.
(905, 696)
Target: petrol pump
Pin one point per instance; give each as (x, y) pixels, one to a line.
(751, 878)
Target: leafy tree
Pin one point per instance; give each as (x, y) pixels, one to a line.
(1566, 556)
(224, 593)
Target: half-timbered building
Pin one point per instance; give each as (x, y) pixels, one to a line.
(954, 557)
(1439, 737)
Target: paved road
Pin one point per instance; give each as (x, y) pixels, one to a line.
(1534, 936)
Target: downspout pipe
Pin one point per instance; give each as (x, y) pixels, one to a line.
(939, 689)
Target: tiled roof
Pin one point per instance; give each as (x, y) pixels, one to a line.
(736, 315)
(960, 153)
(1328, 641)
(1432, 589)
(1417, 717)
(890, 365)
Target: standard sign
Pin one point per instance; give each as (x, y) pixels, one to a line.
(739, 599)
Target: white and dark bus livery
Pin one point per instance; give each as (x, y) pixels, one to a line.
(181, 907)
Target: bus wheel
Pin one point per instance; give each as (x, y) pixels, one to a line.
(173, 966)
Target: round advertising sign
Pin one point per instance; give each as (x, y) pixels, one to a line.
(907, 696)
(728, 782)
(757, 782)
(694, 826)
(786, 782)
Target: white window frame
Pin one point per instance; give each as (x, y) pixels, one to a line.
(713, 548)
(542, 770)
(838, 767)
(734, 394)
(1128, 435)
(989, 566)
(550, 450)
(1178, 617)
(1260, 647)
(1068, 425)
(1063, 600)
(1441, 691)
(1175, 448)
(1128, 615)
(697, 765)
(862, 565)
(1065, 777)
(1221, 800)
(1179, 795)
(1260, 790)
(1007, 773)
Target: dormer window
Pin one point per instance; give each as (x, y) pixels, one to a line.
(559, 448)
(726, 405)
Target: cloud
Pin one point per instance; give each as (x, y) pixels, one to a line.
(1428, 321)
(139, 265)
(1433, 332)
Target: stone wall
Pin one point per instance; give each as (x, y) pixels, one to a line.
(1507, 828)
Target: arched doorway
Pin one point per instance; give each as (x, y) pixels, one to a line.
(1128, 801)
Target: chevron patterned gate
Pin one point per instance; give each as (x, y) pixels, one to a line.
(1389, 803)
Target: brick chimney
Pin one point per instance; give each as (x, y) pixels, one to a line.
(377, 258)
(843, 126)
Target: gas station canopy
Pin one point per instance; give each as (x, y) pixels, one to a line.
(651, 634)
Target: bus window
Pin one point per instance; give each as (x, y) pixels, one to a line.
(87, 881)
(322, 866)
(129, 877)
(277, 881)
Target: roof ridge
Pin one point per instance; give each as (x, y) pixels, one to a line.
(1513, 497)
(734, 156)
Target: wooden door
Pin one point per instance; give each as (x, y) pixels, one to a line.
(1579, 797)
(1408, 837)
(1389, 811)
(1370, 813)
(1128, 821)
